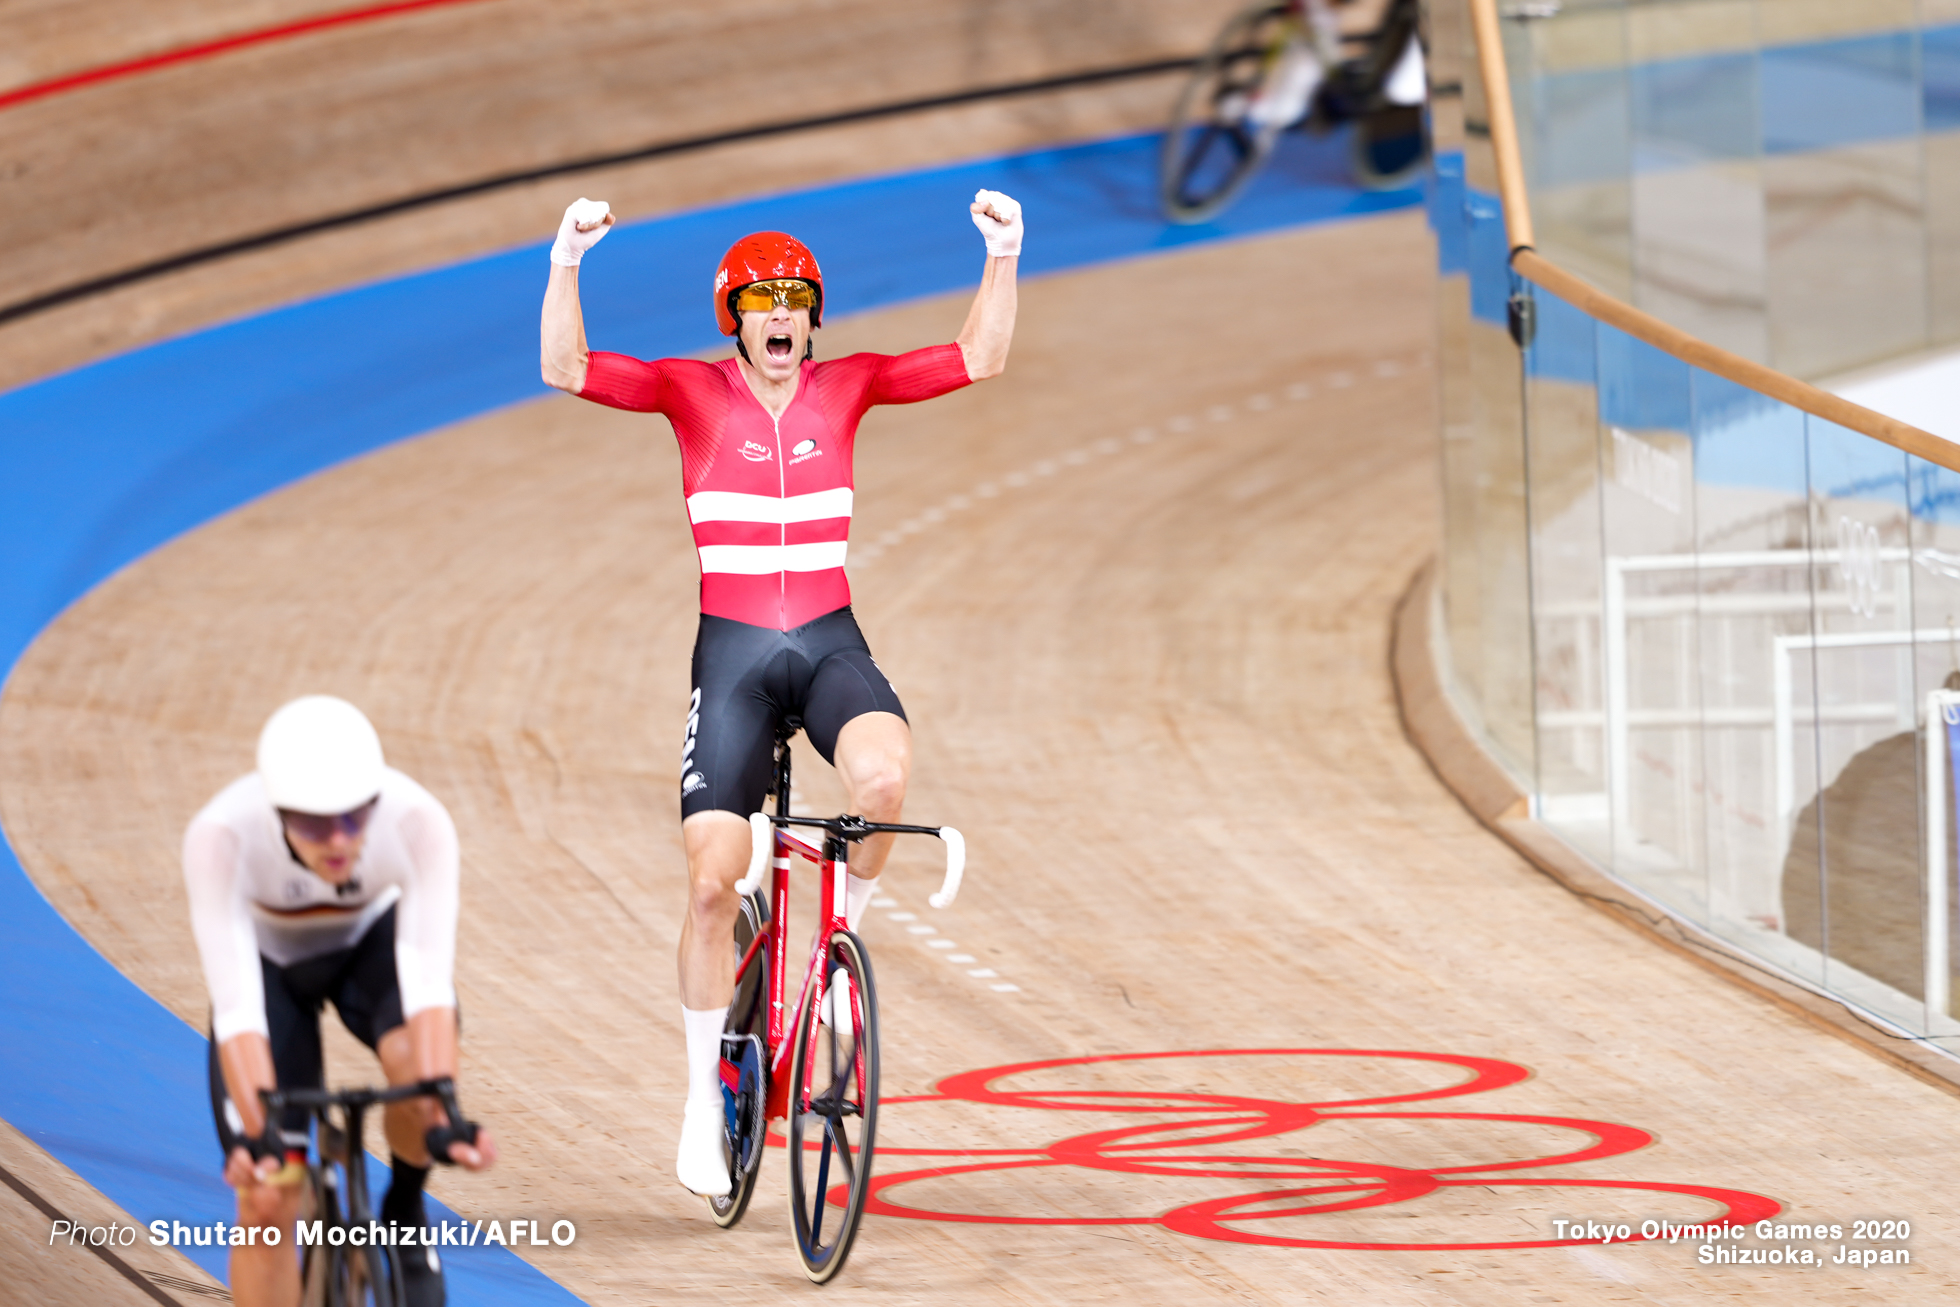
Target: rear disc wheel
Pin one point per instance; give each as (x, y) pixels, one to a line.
(748, 1014)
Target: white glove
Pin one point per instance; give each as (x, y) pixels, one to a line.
(1003, 233)
(573, 240)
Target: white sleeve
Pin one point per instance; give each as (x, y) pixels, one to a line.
(425, 921)
(226, 941)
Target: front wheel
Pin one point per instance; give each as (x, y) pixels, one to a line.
(833, 1109)
(1216, 142)
(378, 1279)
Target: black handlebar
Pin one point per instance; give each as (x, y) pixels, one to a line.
(852, 828)
(459, 1130)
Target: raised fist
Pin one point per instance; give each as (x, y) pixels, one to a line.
(584, 225)
(999, 219)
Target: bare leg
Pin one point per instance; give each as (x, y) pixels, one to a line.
(718, 846)
(264, 1276)
(874, 759)
(404, 1123)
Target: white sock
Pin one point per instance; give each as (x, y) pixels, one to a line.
(704, 1056)
(857, 897)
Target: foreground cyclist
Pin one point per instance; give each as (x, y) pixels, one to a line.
(325, 875)
(766, 443)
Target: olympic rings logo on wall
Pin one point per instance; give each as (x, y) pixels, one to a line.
(1185, 1131)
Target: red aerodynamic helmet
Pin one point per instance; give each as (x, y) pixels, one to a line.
(763, 256)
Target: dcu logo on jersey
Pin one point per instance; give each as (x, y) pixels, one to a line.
(756, 453)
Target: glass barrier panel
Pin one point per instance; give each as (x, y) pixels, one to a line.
(1752, 529)
(1863, 912)
(1562, 429)
(1844, 230)
(1568, 66)
(1697, 211)
(1651, 638)
(1933, 493)
(1939, 62)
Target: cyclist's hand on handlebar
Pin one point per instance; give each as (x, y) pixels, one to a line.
(242, 1170)
(480, 1156)
(584, 225)
(999, 219)
(469, 1147)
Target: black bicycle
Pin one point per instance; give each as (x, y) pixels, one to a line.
(340, 1267)
(1276, 65)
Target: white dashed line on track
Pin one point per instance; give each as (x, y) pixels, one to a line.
(1260, 402)
(897, 914)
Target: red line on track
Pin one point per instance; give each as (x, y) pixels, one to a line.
(204, 50)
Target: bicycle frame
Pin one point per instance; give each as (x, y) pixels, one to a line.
(831, 870)
(832, 861)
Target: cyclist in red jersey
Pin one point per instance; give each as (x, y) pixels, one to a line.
(766, 444)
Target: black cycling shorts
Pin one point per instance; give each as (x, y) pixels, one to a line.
(747, 679)
(360, 982)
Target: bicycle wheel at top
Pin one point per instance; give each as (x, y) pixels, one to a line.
(748, 1014)
(1210, 150)
(1388, 148)
(341, 1275)
(378, 1282)
(833, 1114)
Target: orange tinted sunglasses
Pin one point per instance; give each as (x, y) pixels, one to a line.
(761, 296)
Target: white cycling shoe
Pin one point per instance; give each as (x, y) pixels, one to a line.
(703, 1161)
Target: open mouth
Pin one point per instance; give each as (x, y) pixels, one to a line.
(778, 347)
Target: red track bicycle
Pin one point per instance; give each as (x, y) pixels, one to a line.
(829, 1091)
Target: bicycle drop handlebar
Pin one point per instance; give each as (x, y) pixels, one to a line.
(459, 1129)
(853, 829)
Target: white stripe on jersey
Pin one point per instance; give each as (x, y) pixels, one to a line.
(778, 510)
(761, 560)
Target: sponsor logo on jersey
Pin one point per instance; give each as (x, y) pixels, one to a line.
(805, 450)
(804, 446)
(756, 453)
(695, 781)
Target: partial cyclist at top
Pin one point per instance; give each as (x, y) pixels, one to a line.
(1280, 64)
(767, 440)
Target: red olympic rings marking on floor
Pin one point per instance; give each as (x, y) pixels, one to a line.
(1319, 1186)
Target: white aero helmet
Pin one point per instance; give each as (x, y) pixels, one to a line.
(320, 755)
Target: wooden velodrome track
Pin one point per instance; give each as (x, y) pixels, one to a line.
(1137, 596)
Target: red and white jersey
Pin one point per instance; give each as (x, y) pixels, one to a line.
(770, 499)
